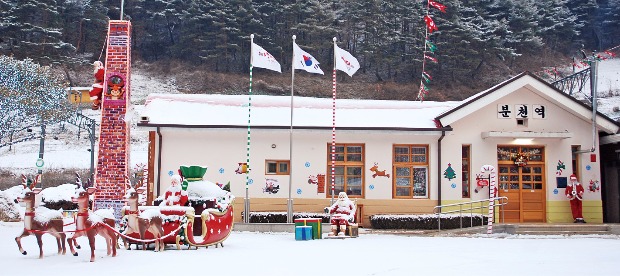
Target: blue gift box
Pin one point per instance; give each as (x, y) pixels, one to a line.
(303, 233)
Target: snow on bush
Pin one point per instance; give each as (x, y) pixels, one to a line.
(8, 208)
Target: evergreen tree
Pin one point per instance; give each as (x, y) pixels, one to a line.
(557, 25)
(33, 28)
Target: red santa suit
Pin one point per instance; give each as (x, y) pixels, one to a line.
(174, 194)
(574, 192)
(343, 212)
(97, 88)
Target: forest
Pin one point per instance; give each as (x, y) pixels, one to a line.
(477, 42)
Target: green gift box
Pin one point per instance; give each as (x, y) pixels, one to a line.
(314, 222)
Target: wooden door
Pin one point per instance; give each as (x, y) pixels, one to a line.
(523, 185)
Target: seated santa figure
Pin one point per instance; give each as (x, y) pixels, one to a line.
(343, 213)
(174, 194)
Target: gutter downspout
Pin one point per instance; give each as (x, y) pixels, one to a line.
(443, 134)
(593, 88)
(159, 161)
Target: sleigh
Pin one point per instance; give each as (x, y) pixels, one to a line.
(180, 223)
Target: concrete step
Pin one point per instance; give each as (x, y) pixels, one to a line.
(564, 227)
(525, 232)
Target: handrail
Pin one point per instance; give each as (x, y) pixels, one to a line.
(502, 200)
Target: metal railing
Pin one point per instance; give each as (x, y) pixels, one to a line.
(498, 201)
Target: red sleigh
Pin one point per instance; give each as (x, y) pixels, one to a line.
(179, 223)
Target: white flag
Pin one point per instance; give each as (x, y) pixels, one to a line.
(305, 61)
(263, 59)
(345, 62)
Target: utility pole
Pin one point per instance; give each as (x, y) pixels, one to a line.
(41, 151)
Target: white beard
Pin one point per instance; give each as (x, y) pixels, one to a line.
(174, 189)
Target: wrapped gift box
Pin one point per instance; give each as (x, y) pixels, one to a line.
(314, 222)
(352, 230)
(303, 233)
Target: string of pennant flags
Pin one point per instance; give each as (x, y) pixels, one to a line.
(556, 71)
(429, 47)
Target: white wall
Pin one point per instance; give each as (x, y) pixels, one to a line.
(484, 151)
(221, 151)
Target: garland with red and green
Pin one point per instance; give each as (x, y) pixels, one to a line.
(429, 47)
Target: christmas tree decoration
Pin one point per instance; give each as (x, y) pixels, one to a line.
(560, 167)
(594, 186)
(449, 172)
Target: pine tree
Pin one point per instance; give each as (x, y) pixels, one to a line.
(33, 28)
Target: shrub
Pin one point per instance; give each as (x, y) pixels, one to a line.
(425, 222)
(280, 217)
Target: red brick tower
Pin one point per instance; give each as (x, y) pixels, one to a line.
(113, 159)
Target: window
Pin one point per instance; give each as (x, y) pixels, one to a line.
(575, 160)
(465, 171)
(411, 171)
(277, 167)
(348, 170)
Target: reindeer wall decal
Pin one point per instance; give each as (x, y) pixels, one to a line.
(40, 220)
(138, 222)
(377, 172)
(91, 224)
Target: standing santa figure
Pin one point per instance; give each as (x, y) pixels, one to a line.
(175, 195)
(97, 89)
(574, 192)
(343, 213)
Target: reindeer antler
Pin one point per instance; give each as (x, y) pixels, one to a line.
(37, 179)
(128, 183)
(89, 182)
(78, 180)
(24, 181)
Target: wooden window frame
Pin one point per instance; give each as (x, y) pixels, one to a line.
(345, 163)
(396, 163)
(466, 171)
(278, 163)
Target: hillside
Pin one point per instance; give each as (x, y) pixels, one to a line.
(66, 153)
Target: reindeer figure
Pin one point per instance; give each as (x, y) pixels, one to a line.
(138, 222)
(92, 223)
(39, 221)
(377, 172)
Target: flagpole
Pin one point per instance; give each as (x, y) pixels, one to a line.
(246, 206)
(333, 151)
(289, 203)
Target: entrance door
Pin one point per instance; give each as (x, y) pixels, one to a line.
(523, 185)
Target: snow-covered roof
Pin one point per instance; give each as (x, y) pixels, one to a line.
(217, 111)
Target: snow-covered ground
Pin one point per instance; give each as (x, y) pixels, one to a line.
(249, 253)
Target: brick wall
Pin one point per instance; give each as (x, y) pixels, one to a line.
(114, 145)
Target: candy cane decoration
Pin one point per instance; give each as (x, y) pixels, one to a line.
(492, 186)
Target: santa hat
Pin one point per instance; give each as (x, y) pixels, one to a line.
(98, 65)
(573, 176)
(176, 177)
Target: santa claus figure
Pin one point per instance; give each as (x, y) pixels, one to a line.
(97, 89)
(174, 194)
(343, 213)
(574, 192)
